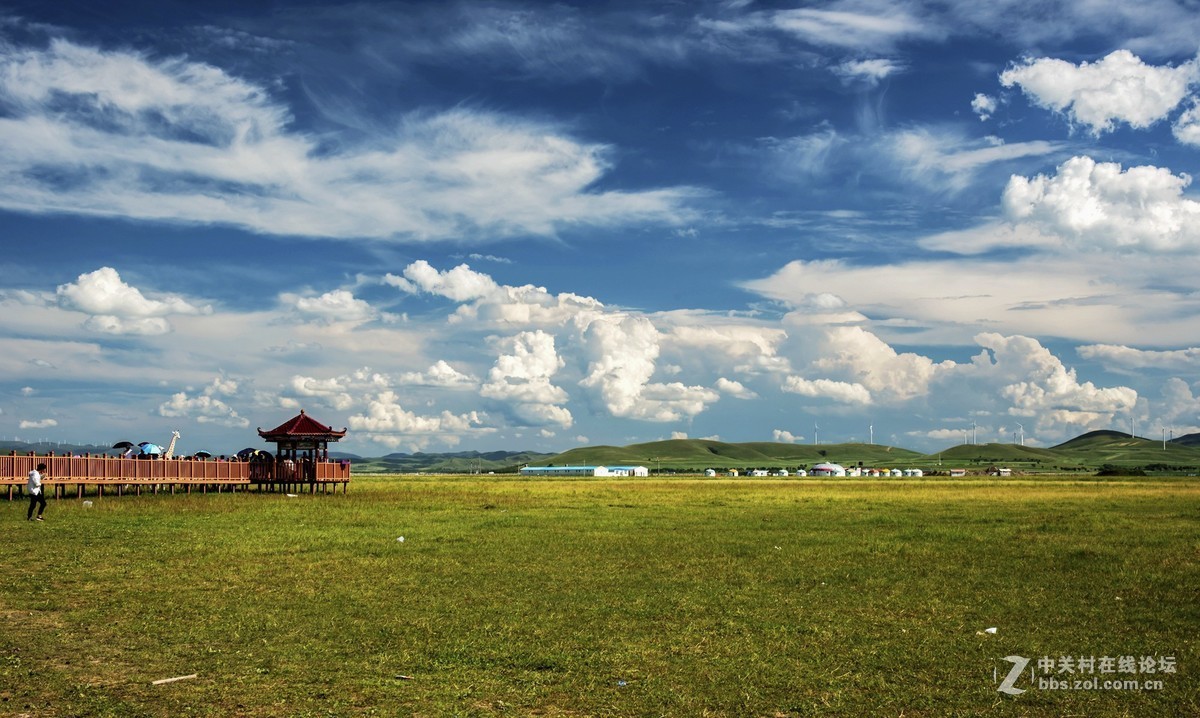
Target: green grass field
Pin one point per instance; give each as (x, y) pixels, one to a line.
(601, 598)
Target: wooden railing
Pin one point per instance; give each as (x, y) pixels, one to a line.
(100, 470)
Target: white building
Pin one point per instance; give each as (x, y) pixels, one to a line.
(585, 471)
(828, 470)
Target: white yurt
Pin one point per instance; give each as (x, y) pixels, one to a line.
(828, 470)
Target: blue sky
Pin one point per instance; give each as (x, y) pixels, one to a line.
(453, 226)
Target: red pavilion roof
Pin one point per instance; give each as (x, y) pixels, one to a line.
(301, 426)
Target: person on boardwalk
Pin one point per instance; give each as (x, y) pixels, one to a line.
(36, 495)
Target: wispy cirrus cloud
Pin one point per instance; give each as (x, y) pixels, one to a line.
(117, 133)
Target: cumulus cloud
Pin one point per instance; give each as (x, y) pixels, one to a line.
(984, 105)
(482, 299)
(117, 133)
(1036, 383)
(1179, 405)
(839, 391)
(341, 392)
(118, 308)
(440, 374)
(1187, 128)
(1118, 88)
(390, 424)
(460, 284)
(37, 423)
(735, 389)
(877, 368)
(785, 437)
(1097, 204)
(623, 351)
(521, 378)
(207, 406)
(338, 305)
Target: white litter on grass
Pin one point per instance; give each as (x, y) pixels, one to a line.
(992, 630)
(161, 681)
(87, 504)
(292, 496)
(401, 539)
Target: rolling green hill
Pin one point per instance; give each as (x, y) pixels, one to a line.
(700, 454)
(1090, 451)
(461, 462)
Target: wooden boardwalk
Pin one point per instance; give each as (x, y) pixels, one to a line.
(96, 473)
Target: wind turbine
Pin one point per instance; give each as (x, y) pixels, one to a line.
(1022, 430)
(871, 429)
(815, 428)
(973, 440)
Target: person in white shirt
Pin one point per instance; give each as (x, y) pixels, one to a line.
(36, 495)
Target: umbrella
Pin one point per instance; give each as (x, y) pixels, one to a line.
(247, 452)
(202, 453)
(123, 445)
(148, 448)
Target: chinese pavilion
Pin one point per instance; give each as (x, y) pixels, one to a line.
(302, 437)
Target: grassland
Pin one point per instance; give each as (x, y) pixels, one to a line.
(600, 598)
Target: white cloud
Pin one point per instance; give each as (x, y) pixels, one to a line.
(785, 437)
(169, 139)
(944, 158)
(118, 308)
(1116, 356)
(878, 27)
(984, 106)
(340, 392)
(461, 284)
(1187, 127)
(1076, 295)
(482, 299)
(1090, 204)
(338, 305)
(522, 376)
(1036, 382)
(623, 350)
(735, 389)
(1179, 404)
(872, 72)
(390, 424)
(206, 407)
(838, 391)
(440, 374)
(37, 424)
(678, 435)
(879, 371)
(1116, 88)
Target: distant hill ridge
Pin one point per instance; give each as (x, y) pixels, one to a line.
(1094, 448)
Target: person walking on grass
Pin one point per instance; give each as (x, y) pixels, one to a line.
(36, 495)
